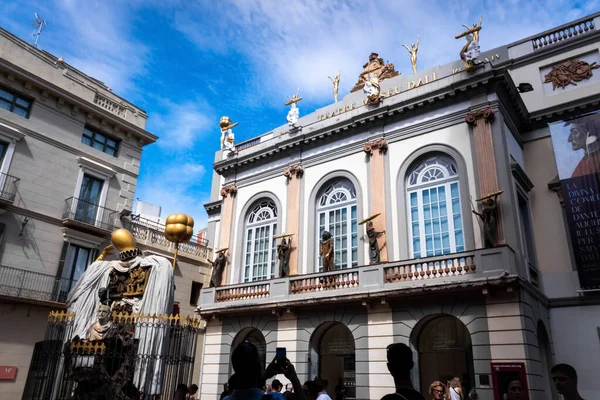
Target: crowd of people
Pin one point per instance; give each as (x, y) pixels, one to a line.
(249, 381)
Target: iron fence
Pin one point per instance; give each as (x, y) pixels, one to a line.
(89, 213)
(16, 282)
(144, 357)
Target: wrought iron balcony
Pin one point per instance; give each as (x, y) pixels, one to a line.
(152, 234)
(86, 214)
(8, 187)
(467, 269)
(24, 284)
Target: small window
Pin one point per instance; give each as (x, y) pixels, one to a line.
(15, 103)
(195, 293)
(100, 141)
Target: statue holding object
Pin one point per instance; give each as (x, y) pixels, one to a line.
(227, 136)
(471, 50)
(326, 252)
(489, 218)
(218, 266)
(372, 235)
(294, 112)
(284, 249)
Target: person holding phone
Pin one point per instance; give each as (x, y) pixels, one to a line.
(281, 365)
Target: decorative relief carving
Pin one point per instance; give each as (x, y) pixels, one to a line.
(380, 144)
(569, 72)
(294, 170)
(486, 114)
(229, 190)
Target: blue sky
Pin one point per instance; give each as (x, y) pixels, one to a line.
(187, 63)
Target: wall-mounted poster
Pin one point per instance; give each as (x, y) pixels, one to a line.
(576, 145)
(510, 381)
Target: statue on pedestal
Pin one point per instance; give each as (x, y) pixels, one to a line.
(489, 218)
(326, 252)
(336, 84)
(294, 112)
(103, 328)
(284, 249)
(218, 266)
(136, 284)
(414, 48)
(471, 50)
(227, 136)
(378, 68)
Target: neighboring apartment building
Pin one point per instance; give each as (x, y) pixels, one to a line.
(70, 153)
(438, 141)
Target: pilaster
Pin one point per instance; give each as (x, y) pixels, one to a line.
(293, 174)
(376, 151)
(228, 193)
(481, 124)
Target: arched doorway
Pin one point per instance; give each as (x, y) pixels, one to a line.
(254, 336)
(333, 357)
(445, 352)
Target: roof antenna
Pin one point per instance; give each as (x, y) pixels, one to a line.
(39, 25)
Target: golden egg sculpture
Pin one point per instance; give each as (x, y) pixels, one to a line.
(224, 122)
(179, 228)
(123, 240)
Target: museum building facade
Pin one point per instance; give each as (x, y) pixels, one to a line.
(485, 296)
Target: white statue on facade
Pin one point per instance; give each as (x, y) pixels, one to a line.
(148, 290)
(473, 50)
(227, 137)
(371, 86)
(294, 112)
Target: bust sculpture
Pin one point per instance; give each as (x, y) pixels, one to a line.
(102, 329)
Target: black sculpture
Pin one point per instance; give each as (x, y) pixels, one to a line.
(283, 254)
(374, 250)
(218, 267)
(489, 218)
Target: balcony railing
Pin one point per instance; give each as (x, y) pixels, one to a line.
(89, 213)
(370, 280)
(21, 283)
(8, 186)
(110, 105)
(152, 233)
(566, 32)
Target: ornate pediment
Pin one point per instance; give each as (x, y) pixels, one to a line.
(378, 68)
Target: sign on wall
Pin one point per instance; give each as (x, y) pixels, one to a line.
(576, 145)
(509, 379)
(7, 372)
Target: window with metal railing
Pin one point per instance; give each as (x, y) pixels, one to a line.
(15, 103)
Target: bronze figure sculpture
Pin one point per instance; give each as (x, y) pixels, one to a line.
(218, 267)
(283, 254)
(489, 218)
(326, 252)
(374, 250)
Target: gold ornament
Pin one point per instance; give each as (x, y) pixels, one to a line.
(179, 228)
(123, 240)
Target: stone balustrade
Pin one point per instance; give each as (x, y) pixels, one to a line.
(365, 281)
(562, 34)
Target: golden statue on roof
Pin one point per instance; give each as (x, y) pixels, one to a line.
(377, 68)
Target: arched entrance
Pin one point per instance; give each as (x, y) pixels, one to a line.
(254, 336)
(332, 357)
(444, 346)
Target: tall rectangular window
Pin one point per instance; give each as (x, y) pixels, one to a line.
(100, 141)
(260, 248)
(89, 199)
(15, 103)
(76, 261)
(527, 236)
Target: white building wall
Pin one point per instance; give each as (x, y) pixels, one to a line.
(456, 137)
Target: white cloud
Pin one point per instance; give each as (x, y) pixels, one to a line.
(298, 44)
(180, 126)
(175, 189)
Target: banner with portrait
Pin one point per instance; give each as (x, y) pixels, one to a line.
(576, 145)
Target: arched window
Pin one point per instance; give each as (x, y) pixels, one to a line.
(434, 209)
(336, 213)
(259, 257)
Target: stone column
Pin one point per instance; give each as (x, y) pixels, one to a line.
(228, 193)
(293, 175)
(481, 123)
(376, 151)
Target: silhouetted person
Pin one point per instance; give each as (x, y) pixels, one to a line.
(275, 392)
(289, 392)
(226, 392)
(564, 377)
(248, 371)
(181, 392)
(193, 389)
(311, 390)
(399, 363)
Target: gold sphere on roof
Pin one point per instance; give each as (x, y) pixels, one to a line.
(225, 122)
(123, 240)
(179, 228)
